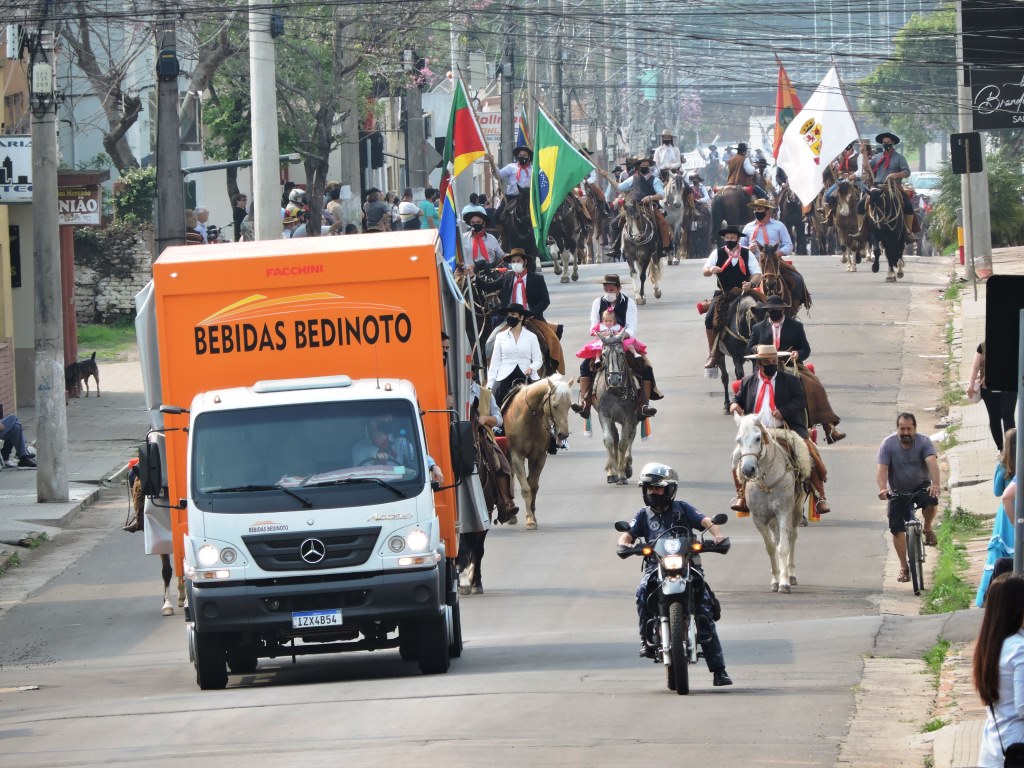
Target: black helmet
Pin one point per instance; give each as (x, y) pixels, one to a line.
(658, 475)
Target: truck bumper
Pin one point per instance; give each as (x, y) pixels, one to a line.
(267, 605)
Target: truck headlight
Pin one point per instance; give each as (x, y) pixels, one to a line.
(396, 544)
(228, 555)
(207, 555)
(417, 540)
(672, 562)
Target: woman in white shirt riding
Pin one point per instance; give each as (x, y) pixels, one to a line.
(516, 356)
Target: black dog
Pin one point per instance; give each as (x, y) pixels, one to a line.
(78, 373)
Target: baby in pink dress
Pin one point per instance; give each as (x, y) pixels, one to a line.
(607, 328)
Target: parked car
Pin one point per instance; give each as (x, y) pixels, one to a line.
(925, 184)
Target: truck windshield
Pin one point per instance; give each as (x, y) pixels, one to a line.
(331, 454)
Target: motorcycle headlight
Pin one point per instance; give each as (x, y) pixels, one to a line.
(672, 562)
(207, 555)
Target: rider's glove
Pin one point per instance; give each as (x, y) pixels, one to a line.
(624, 551)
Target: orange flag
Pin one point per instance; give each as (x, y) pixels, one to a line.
(787, 105)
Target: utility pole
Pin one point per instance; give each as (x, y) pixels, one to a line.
(973, 186)
(507, 104)
(266, 168)
(531, 56)
(170, 189)
(630, 109)
(558, 63)
(51, 413)
(415, 136)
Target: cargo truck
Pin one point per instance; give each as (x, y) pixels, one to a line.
(299, 395)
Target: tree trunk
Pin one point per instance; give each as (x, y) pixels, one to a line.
(210, 57)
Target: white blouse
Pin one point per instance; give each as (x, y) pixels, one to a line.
(509, 354)
(1010, 707)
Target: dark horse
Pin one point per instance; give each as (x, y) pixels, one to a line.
(568, 234)
(791, 214)
(780, 278)
(730, 206)
(735, 335)
(885, 210)
(517, 225)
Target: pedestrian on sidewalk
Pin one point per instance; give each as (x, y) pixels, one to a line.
(13, 436)
(999, 670)
(1000, 405)
(1001, 543)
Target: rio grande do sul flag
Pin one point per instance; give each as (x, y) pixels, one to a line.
(787, 104)
(465, 142)
(817, 135)
(557, 168)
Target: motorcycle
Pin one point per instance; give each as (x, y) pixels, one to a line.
(673, 629)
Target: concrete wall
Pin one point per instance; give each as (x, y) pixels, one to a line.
(104, 299)
(23, 304)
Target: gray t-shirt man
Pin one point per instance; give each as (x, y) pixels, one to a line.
(908, 470)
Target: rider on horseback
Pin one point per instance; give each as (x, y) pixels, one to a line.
(764, 230)
(890, 165)
(624, 311)
(779, 400)
(646, 188)
(736, 269)
(516, 177)
(701, 194)
(741, 172)
(667, 156)
(846, 167)
(481, 246)
(516, 357)
(520, 285)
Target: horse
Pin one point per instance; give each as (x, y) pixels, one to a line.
(135, 523)
(617, 402)
(851, 227)
(680, 211)
(779, 278)
(640, 246)
(535, 414)
(714, 172)
(885, 210)
(566, 233)
(774, 464)
(731, 206)
(517, 225)
(733, 339)
(791, 214)
(594, 228)
(823, 241)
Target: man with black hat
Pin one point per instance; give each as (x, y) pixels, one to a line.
(761, 179)
(667, 156)
(735, 268)
(516, 178)
(779, 400)
(478, 245)
(625, 313)
(516, 357)
(740, 172)
(520, 285)
(891, 164)
(787, 334)
(646, 188)
(701, 195)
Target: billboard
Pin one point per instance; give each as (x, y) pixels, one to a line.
(15, 169)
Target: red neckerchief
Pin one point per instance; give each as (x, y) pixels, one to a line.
(522, 171)
(886, 156)
(760, 226)
(846, 164)
(479, 249)
(520, 282)
(738, 251)
(769, 388)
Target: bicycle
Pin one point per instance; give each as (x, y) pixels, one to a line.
(915, 538)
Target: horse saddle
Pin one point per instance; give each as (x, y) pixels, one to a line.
(796, 448)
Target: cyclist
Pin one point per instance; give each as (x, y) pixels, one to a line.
(908, 476)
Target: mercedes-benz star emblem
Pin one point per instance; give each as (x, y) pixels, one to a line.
(312, 551)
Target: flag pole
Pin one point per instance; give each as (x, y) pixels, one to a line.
(866, 155)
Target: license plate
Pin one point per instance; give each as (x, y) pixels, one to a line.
(315, 619)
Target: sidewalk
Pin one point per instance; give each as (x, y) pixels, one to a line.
(971, 465)
(103, 433)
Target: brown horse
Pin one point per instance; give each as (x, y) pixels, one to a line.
(851, 227)
(567, 235)
(780, 278)
(536, 413)
(641, 247)
(517, 225)
(596, 222)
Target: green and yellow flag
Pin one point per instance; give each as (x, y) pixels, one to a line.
(557, 168)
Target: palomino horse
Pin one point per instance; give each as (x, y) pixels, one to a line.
(535, 414)
(566, 233)
(780, 278)
(791, 214)
(733, 340)
(775, 464)
(885, 209)
(617, 402)
(640, 246)
(680, 212)
(730, 206)
(851, 227)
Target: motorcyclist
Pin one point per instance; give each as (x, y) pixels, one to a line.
(659, 484)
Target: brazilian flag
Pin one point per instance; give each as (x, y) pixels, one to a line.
(557, 168)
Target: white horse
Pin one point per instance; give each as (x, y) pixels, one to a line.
(776, 465)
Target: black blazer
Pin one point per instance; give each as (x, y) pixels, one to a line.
(790, 399)
(536, 291)
(792, 337)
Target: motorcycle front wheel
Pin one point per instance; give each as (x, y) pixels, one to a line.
(680, 668)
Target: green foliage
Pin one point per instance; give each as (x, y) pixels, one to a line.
(134, 196)
(949, 591)
(100, 162)
(933, 725)
(1005, 187)
(109, 250)
(109, 341)
(914, 92)
(935, 656)
(953, 291)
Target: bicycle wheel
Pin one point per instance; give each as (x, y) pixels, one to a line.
(914, 544)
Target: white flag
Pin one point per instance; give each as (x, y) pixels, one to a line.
(817, 135)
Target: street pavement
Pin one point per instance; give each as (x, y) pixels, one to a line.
(549, 675)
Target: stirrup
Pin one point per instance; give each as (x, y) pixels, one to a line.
(647, 410)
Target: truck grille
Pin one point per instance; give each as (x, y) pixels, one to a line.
(335, 549)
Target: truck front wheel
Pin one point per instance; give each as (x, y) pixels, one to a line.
(210, 660)
(435, 653)
(409, 640)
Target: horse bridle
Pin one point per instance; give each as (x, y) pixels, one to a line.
(759, 479)
(646, 233)
(547, 415)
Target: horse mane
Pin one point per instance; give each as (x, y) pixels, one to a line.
(791, 442)
(519, 402)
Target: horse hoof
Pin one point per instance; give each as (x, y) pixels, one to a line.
(792, 580)
(531, 525)
(611, 479)
(843, 260)
(575, 277)
(464, 589)
(775, 587)
(785, 589)
(641, 301)
(899, 273)
(513, 520)
(803, 521)
(565, 279)
(874, 267)
(623, 481)
(168, 609)
(657, 293)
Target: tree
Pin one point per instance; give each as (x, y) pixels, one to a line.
(913, 93)
(1005, 188)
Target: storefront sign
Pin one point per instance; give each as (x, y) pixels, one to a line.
(15, 169)
(80, 206)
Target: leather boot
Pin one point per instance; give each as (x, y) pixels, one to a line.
(712, 361)
(739, 504)
(506, 504)
(645, 400)
(833, 434)
(821, 505)
(583, 406)
(908, 220)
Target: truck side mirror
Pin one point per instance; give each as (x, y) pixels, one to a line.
(150, 473)
(463, 449)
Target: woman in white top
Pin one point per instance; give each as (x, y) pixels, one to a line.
(999, 668)
(516, 356)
